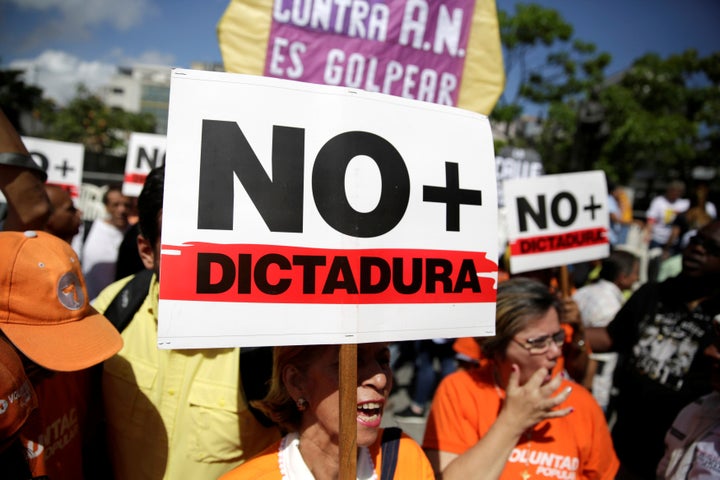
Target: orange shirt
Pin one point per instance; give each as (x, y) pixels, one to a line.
(411, 464)
(576, 446)
(61, 434)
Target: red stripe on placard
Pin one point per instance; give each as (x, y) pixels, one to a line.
(72, 190)
(135, 178)
(562, 241)
(283, 274)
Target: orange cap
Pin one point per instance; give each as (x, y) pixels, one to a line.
(17, 397)
(44, 307)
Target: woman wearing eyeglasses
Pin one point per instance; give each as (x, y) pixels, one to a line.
(510, 418)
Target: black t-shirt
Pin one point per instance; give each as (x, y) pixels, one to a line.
(661, 368)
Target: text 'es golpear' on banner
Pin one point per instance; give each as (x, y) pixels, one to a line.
(297, 213)
(445, 52)
(556, 220)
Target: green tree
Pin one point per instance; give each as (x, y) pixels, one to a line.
(16, 97)
(661, 114)
(87, 120)
(664, 115)
(551, 66)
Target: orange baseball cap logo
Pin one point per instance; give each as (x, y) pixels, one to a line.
(70, 292)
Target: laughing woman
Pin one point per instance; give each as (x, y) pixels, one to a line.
(304, 400)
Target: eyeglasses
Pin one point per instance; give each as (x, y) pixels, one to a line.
(710, 247)
(540, 345)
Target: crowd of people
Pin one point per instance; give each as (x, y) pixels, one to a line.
(611, 379)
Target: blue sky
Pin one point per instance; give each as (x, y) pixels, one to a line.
(628, 29)
(61, 42)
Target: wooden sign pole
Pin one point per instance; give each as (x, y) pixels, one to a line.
(348, 411)
(564, 281)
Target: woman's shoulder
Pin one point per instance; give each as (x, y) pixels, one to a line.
(466, 383)
(389, 434)
(478, 375)
(578, 392)
(408, 444)
(263, 466)
(411, 459)
(581, 400)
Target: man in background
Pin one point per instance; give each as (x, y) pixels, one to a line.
(65, 219)
(660, 334)
(662, 212)
(599, 302)
(100, 250)
(172, 413)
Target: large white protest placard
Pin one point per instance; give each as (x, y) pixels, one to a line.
(145, 152)
(63, 162)
(556, 220)
(298, 213)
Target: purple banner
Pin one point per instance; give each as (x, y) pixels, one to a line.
(409, 48)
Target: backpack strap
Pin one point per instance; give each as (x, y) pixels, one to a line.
(390, 447)
(127, 302)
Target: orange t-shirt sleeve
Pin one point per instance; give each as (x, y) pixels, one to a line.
(455, 423)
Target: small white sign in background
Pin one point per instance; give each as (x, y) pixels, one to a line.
(556, 220)
(300, 214)
(63, 162)
(145, 152)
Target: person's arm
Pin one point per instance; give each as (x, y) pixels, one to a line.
(576, 352)
(621, 334)
(677, 228)
(21, 182)
(590, 374)
(675, 231)
(599, 339)
(524, 406)
(651, 218)
(28, 204)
